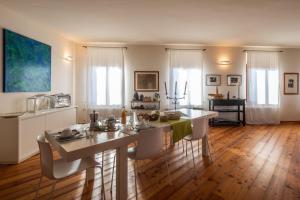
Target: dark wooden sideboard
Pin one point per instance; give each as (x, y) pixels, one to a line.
(228, 106)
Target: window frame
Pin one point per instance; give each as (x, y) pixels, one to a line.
(266, 80)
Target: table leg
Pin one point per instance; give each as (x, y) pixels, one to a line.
(171, 140)
(121, 173)
(90, 172)
(244, 115)
(205, 146)
(239, 115)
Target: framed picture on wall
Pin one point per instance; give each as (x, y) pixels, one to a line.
(291, 83)
(234, 80)
(213, 79)
(146, 81)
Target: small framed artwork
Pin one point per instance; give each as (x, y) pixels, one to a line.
(146, 81)
(234, 80)
(213, 80)
(291, 83)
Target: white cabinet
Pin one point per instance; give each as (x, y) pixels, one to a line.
(29, 129)
(18, 134)
(9, 151)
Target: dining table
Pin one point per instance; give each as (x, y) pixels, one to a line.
(192, 115)
(96, 142)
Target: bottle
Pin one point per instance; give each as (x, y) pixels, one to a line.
(141, 97)
(123, 116)
(136, 96)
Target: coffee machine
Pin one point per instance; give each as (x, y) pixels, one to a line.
(94, 125)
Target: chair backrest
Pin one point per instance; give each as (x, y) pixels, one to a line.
(200, 128)
(46, 157)
(150, 143)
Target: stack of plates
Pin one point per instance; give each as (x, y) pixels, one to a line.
(75, 135)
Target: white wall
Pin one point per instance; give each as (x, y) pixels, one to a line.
(80, 83)
(151, 57)
(237, 63)
(290, 104)
(62, 70)
(140, 57)
(145, 58)
(156, 58)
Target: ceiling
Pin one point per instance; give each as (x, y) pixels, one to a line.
(208, 22)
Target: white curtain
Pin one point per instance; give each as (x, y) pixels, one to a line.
(105, 77)
(263, 96)
(186, 66)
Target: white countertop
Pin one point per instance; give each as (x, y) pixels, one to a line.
(27, 115)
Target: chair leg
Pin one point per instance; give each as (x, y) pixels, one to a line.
(210, 155)
(186, 148)
(102, 163)
(209, 141)
(102, 181)
(198, 146)
(112, 175)
(52, 190)
(86, 179)
(39, 185)
(102, 177)
(135, 184)
(182, 145)
(193, 153)
(102, 185)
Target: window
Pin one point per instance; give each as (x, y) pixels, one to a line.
(186, 66)
(263, 78)
(109, 86)
(105, 77)
(273, 87)
(263, 88)
(264, 81)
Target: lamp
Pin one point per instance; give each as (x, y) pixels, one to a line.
(224, 62)
(68, 58)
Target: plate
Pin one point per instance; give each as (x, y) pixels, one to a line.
(70, 138)
(60, 137)
(74, 133)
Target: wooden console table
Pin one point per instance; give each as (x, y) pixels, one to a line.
(234, 106)
(145, 105)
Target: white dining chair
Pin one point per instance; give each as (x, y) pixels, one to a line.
(199, 131)
(59, 169)
(150, 145)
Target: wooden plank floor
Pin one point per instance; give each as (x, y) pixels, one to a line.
(252, 162)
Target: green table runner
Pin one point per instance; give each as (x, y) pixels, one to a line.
(181, 128)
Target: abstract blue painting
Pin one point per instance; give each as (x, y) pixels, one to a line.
(27, 64)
